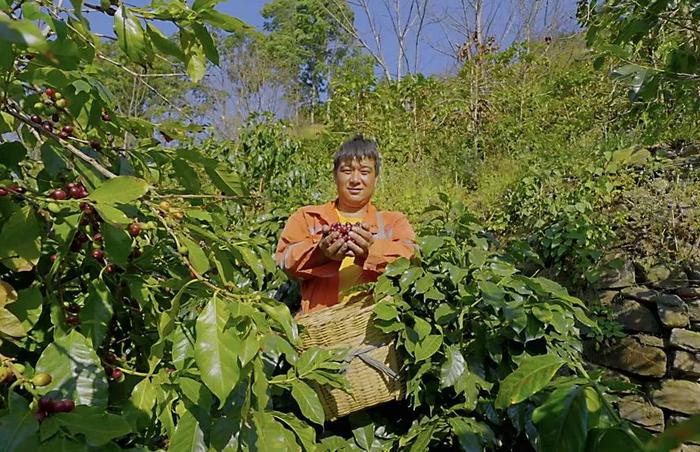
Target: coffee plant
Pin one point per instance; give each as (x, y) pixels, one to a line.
(140, 307)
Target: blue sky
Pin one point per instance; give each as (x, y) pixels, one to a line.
(446, 26)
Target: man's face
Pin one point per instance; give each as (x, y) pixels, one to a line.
(355, 181)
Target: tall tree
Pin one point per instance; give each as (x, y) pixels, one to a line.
(304, 37)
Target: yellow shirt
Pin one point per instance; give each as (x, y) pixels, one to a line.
(349, 274)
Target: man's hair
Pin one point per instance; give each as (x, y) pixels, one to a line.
(357, 148)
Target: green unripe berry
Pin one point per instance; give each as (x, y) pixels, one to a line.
(19, 367)
(5, 374)
(57, 95)
(39, 106)
(183, 250)
(53, 207)
(41, 379)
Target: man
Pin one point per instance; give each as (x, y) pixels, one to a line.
(328, 262)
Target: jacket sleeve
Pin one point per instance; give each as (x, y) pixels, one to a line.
(401, 243)
(295, 248)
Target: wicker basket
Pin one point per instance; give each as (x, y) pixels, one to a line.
(373, 371)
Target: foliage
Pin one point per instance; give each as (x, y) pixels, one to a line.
(305, 36)
(654, 45)
(493, 357)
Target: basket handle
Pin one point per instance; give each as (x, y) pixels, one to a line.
(373, 363)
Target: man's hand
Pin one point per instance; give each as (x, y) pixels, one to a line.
(332, 246)
(360, 241)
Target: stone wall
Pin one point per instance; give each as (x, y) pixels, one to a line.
(659, 310)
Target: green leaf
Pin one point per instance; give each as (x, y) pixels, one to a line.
(253, 262)
(207, 43)
(308, 401)
(674, 436)
(424, 284)
(398, 267)
(76, 370)
(11, 154)
(195, 61)
(130, 36)
(117, 243)
(188, 436)
(305, 434)
(409, 277)
(533, 374)
(19, 431)
(614, 440)
(28, 307)
(452, 368)
(20, 247)
(428, 347)
(196, 393)
(119, 190)
(97, 313)
(140, 407)
(271, 435)
(562, 420)
(98, 427)
(163, 43)
(364, 435)
(469, 440)
(215, 350)
(196, 255)
(385, 310)
(422, 442)
(112, 215)
(224, 21)
(10, 325)
(21, 32)
(429, 244)
(281, 315)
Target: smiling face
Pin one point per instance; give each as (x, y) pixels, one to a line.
(355, 181)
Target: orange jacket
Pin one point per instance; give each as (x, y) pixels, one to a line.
(393, 238)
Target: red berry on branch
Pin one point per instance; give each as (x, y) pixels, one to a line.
(63, 135)
(3, 191)
(36, 119)
(50, 92)
(59, 194)
(98, 254)
(70, 185)
(85, 207)
(110, 268)
(53, 257)
(134, 229)
(73, 320)
(81, 237)
(17, 189)
(68, 129)
(73, 308)
(95, 145)
(46, 404)
(47, 125)
(106, 117)
(64, 406)
(97, 237)
(117, 374)
(74, 192)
